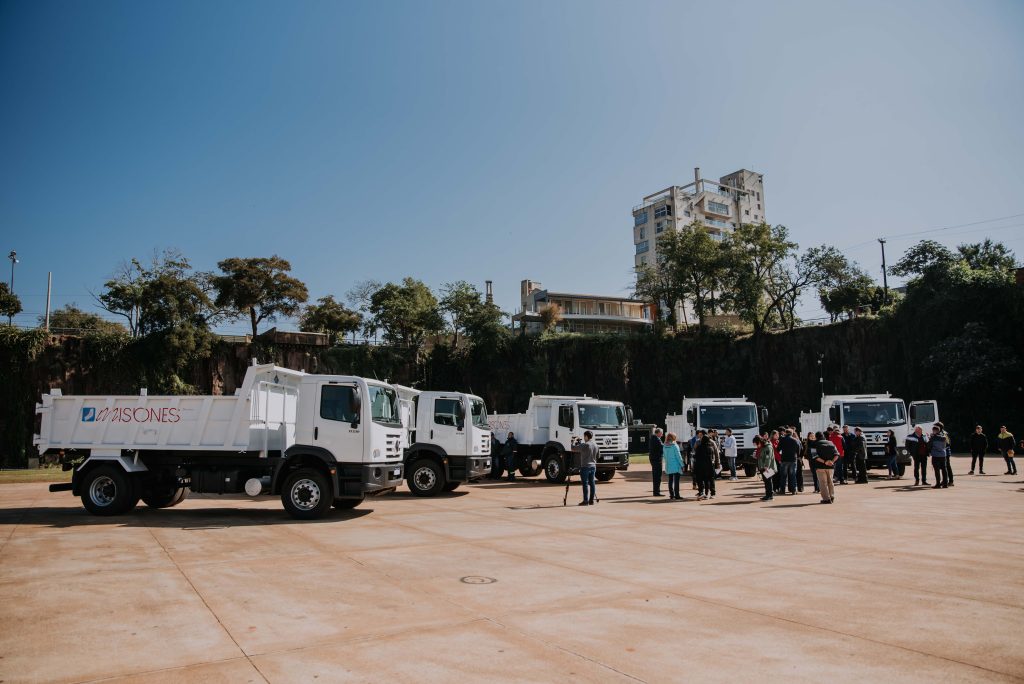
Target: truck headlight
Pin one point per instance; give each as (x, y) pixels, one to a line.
(376, 453)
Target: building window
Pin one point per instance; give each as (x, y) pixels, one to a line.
(746, 212)
(643, 261)
(640, 218)
(642, 247)
(758, 196)
(663, 210)
(687, 213)
(643, 233)
(718, 208)
(758, 206)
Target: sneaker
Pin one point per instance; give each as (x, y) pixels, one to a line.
(969, 472)
(582, 503)
(945, 486)
(917, 482)
(766, 498)
(825, 501)
(982, 472)
(657, 494)
(733, 479)
(938, 486)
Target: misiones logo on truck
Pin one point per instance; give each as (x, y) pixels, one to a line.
(137, 414)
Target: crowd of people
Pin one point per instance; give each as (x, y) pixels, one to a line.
(837, 456)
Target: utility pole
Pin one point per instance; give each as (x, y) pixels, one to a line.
(821, 375)
(13, 256)
(885, 278)
(49, 286)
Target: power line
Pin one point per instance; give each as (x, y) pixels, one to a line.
(937, 230)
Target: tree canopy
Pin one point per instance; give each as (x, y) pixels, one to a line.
(259, 287)
(331, 317)
(70, 317)
(10, 305)
(405, 313)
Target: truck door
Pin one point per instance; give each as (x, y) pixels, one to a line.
(337, 426)
(924, 413)
(564, 422)
(448, 425)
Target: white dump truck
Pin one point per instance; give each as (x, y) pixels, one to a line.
(316, 440)
(720, 413)
(448, 438)
(875, 415)
(545, 434)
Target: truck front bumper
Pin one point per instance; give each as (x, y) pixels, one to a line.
(619, 460)
(381, 478)
(468, 468)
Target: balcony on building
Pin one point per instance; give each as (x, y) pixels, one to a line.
(582, 313)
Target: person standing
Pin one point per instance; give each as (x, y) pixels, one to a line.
(979, 445)
(656, 450)
(847, 466)
(892, 451)
(837, 441)
(799, 459)
(789, 450)
(588, 468)
(729, 447)
(496, 467)
(765, 462)
(774, 441)
(1006, 444)
(825, 455)
(916, 445)
(937, 449)
(703, 473)
(810, 455)
(673, 465)
(860, 456)
(508, 455)
(949, 454)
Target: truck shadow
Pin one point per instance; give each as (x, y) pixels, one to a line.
(410, 495)
(179, 518)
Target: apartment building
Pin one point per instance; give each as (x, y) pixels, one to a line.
(719, 205)
(580, 313)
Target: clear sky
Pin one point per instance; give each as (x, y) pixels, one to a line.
(490, 139)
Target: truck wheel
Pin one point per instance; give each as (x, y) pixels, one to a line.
(307, 494)
(108, 490)
(164, 498)
(425, 477)
(554, 469)
(451, 486)
(749, 470)
(605, 475)
(527, 471)
(347, 504)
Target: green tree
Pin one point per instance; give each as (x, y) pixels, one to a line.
(122, 293)
(850, 292)
(924, 256)
(458, 301)
(259, 287)
(485, 327)
(696, 266)
(10, 305)
(988, 254)
(656, 285)
(756, 254)
(331, 317)
(406, 313)
(70, 317)
(550, 316)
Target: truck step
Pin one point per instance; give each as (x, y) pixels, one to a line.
(61, 487)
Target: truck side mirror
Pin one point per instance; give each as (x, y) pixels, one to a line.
(460, 419)
(691, 416)
(833, 414)
(629, 415)
(763, 413)
(357, 407)
(913, 414)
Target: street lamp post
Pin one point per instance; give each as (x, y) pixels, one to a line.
(13, 256)
(821, 375)
(885, 278)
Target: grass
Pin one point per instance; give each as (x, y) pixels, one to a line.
(34, 475)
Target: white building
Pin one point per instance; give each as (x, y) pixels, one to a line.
(720, 205)
(581, 313)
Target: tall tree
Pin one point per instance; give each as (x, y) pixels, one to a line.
(10, 305)
(847, 294)
(331, 317)
(818, 267)
(259, 287)
(757, 254)
(988, 254)
(656, 285)
(695, 263)
(458, 301)
(406, 313)
(922, 257)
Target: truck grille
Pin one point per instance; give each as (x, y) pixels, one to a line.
(609, 443)
(393, 444)
(485, 444)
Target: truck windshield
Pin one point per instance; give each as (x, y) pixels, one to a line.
(874, 413)
(721, 417)
(602, 416)
(384, 405)
(479, 411)
(924, 413)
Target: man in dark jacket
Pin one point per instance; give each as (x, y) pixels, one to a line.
(860, 456)
(789, 448)
(846, 465)
(508, 455)
(655, 453)
(979, 445)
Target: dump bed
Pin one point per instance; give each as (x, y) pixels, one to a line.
(259, 417)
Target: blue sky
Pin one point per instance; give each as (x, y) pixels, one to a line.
(489, 139)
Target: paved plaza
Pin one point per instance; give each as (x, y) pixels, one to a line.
(499, 582)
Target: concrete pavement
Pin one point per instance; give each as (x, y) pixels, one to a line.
(499, 582)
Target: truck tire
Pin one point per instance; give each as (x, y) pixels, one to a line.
(451, 486)
(306, 494)
(347, 504)
(108, 490)
(749, 470)
(554, 468)
(164, 498)
(527, 471)
(605, 475)
(425, 477)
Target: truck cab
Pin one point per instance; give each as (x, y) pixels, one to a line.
(448, 440)
(739, 414)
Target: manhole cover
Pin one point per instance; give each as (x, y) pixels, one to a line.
(476, 579)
